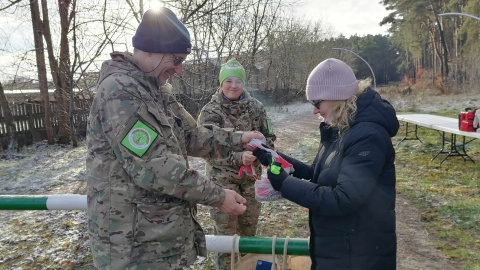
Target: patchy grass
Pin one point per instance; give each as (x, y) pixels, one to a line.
(447, 194)
(33, 243)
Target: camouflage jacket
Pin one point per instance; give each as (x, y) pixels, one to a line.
(246, 114)
(141, 192)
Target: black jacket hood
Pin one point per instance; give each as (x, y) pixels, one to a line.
(372, 108)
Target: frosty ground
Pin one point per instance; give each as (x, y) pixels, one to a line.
(59, 239)
(27, 236)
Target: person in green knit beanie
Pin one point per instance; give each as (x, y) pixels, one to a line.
(232, 69)
(233, 107)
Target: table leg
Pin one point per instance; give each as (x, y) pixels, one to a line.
(454, 148)
(442, 150)
(408, 132)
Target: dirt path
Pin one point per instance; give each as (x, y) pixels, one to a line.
(30, 239)
(414, 249)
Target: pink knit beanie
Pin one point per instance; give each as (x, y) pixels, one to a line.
(332, 79)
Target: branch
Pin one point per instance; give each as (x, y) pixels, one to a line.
(12, 3)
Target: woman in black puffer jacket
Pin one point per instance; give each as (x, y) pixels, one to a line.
(351, 189)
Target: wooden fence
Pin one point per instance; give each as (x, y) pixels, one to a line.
(29, 117)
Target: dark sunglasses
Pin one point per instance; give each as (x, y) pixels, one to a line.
(316, 103)
(177, 60)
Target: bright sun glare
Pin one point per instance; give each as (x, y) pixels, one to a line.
(156, 4)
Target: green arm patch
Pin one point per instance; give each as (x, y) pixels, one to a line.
(269, 126)
(139, 139)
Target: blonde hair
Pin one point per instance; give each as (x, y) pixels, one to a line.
(344, 111)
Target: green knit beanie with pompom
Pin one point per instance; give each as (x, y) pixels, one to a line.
(232, 69)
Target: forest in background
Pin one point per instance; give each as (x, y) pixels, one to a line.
(65, 41)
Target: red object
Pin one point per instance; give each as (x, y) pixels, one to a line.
(247, 169)
(285, 164)
(466, 121)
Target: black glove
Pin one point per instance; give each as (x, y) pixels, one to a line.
(266, 146)
(263, 156)
(276, 175)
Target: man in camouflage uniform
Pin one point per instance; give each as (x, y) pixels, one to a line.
(232, 107)
(141, 193)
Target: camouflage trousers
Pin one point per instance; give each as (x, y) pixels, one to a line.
(176, 262)
(243, 225)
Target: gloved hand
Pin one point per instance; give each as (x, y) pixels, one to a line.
(276, 174)
(263, 156)
(266, 146)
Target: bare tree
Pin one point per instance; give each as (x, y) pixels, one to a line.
(7, 114)
(38, 33)
(264, 14)
(73, 47)
(60, 68)
(253, 31)
(443, 55)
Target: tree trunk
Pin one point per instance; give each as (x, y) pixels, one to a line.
(64, 71)
(56, 70)
(444, 59)
(7, 115)
(41, 67)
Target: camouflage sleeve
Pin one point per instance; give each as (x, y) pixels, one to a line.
(187, 119)
(144, 147)
(209, 117)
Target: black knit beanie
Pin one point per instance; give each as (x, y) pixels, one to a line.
(160, 31)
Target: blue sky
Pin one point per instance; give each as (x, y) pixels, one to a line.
(347, 17)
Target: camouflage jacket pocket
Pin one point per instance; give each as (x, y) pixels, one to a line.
(162, 230)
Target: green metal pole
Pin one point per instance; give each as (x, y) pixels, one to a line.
(256, 245)
(263, 245)
(43, 202)
(16, 202)
(215, 243)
